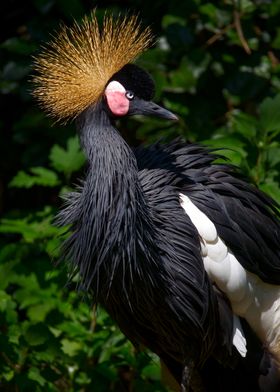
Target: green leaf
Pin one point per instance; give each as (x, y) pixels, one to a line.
(246, 6)
(172, 19)
(30, 231)
(83, 378)
(7, 270)
(183, 78)
(45, 177)
(37, 334)
(272, 188)
(5, 299)
(152, 370)
(208, 9)
(111, 346)
(273, 155)
(8, 374)
(67, 160)
(269, 111)
(35, 375)
(70, 347)
(19, 46)
(232, 148)
(40, 176)
(30, 282)
(8, 306)
(244, 124)
(14, 334)
(38, 312)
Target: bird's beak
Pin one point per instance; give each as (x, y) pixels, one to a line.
(149, 108)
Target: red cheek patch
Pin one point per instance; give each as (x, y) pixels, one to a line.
(117, 102)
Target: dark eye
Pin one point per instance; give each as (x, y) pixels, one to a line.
(129, 95)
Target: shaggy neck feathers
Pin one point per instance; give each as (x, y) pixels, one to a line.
(107, 208)
(109, 157)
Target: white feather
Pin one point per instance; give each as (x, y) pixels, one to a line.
(204, 249)
(217, 250)
(251, 298)
(115, 86)
(239, 340)
(219, 272)
(202, 223)
(238, 282)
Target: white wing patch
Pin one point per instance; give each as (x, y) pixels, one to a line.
(207, 229)
(256, 301)
(239, 340)
(219, 263)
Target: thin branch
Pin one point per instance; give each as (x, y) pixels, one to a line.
(238, 27)
(273, 59)
(218, 35)
(93, 319)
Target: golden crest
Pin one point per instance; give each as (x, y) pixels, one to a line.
(72, 70)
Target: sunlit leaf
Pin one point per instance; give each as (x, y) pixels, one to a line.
(39, 176)
(70, 348)
(67, 160)
(270, 114)
(245, 124)
(34, 374)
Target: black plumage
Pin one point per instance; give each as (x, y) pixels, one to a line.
(139, 254)
(126, 218)
(136, 248)
(223, 194)
(137, 80)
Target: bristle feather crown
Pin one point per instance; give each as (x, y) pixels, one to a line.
(72, 70)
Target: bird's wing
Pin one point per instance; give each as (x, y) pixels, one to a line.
(245, 218)
(203, 311)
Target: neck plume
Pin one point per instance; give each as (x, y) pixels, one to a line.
(103, 211)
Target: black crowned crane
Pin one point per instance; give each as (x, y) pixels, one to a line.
(181, 251)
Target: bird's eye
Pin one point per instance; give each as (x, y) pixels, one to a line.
(129, 95)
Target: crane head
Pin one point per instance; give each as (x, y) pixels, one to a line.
(74, 71)
(130, 91)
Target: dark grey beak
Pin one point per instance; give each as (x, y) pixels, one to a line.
(149, 108)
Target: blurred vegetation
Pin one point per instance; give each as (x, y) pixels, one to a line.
(217, 65)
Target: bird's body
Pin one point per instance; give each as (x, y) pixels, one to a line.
(137, 260)
(210, 190)
(177, 248)
(158, 283)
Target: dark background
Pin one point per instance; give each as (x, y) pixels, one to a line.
(216, 64)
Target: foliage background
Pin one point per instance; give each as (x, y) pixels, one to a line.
(216, 64)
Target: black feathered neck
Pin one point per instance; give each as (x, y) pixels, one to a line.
(103, 213)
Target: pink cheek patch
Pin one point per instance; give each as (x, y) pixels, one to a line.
(117, 102)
